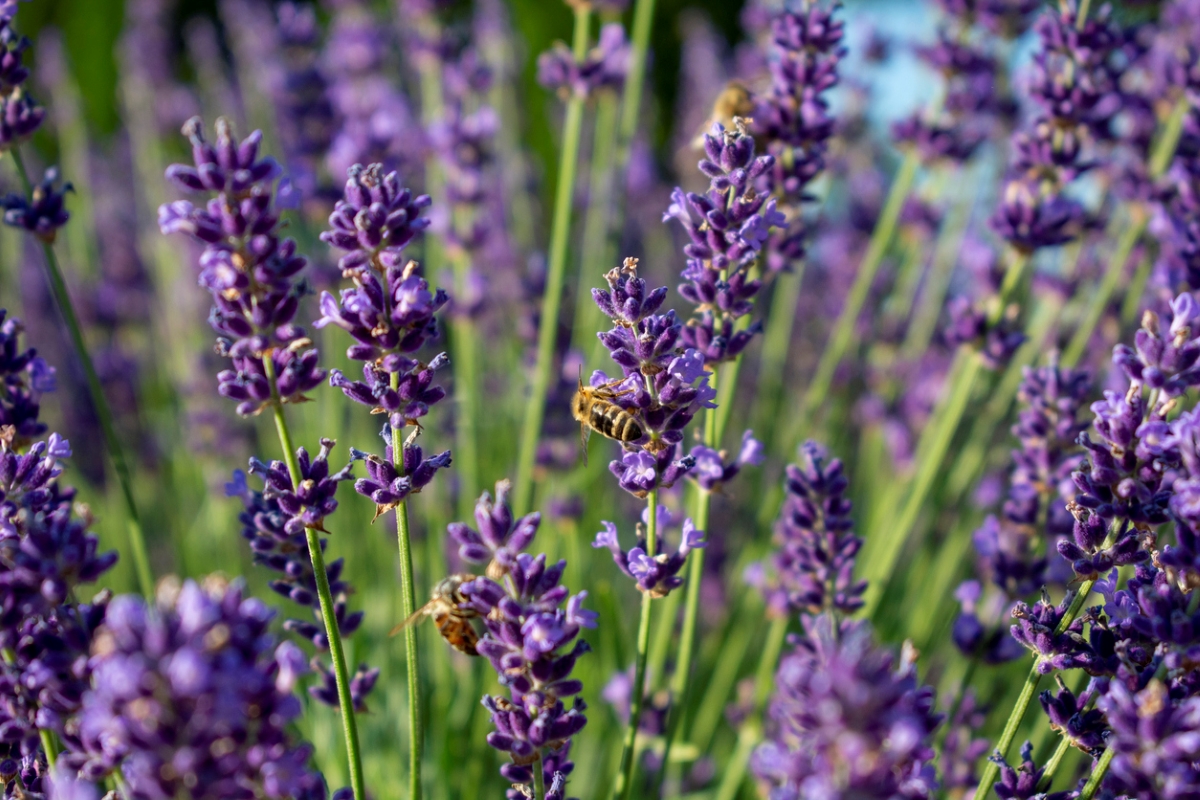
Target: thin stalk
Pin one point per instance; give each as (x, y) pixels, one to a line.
(624, 782)
(1064, 744)
(62, 298)
(408, 605)
(714, 428)
(635, 78)
(552, 297)
(945, 256)
(880, 565)
(750, 732)
(49, 745)
(959, 696)
(991, 769)
(1160, 158)
(539, 781)
(777, 340)
(843, 331)
(595, 225)
(328, 615)
(1098, 773)
(1108, 284)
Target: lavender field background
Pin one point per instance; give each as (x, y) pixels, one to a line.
(898, 297)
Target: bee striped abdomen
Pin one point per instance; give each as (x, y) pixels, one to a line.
(614, 422)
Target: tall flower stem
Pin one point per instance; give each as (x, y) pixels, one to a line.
(62, 298)
(408, 605)
(1064, 744)
(750, 732)
(932, 451)
(777, 340)
(601, 181)
(552, 297)
(843, 331)
(631, 98)
(991, 769)
(1098, 773)
(1160, 159)
(465, 359)
(328, 615)
(49, 745)
(624, 784)
(539, 781)
(714, 429)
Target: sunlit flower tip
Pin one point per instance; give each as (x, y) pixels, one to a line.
(375, 220)
(499, 537)
(309, 503)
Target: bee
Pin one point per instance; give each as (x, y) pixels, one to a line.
(593, 406)
(735, 101)
(452, 620)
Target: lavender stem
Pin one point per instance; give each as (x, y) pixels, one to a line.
(843, 331)
(595, 227)
(1098, 772)
(328, 616)
(991, 769)
(49, 745)
(539, 781)
(62, 298)
(552, 297)
(408, 605)
(628, 765)
(777, 342)
(1064, 744)
(751, 730)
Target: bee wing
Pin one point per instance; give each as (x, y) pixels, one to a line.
(584, 433)
(412, 619)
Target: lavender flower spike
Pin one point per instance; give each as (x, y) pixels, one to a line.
(196, 699)
(659, 575)
(530, 640)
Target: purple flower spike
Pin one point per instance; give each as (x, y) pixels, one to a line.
(604, 67)
(814, 566)
(873, 720)
(249, 270)
(26, 377)
(1155, 741)
(186, 700)
(712, 471)
(532, 627)
(313, 500)
(20, 114)
(499, 538)
(1021, 783)
(659, 575)
(44, 212)
(375, 220)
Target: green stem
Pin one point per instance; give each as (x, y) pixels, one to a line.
(751, 730)
(772, 365)
(595, 225)
(945, 256)
(1064, 744)
(843, 332)
(49, 745)
(466, 390)
(408, 606)
(631, 99)
(1098, 773)
(959, 696)
(62, 298)
(991, 769)
(881, 563)
(539, 781)
(328, 615)
(624, 783)
(1108, 284)
(552, 297)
